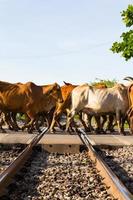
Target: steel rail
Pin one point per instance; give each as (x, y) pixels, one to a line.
(7, 175)
(116, 187)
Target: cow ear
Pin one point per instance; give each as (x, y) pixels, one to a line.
(64, 82)
(57, 86)
(67, 83)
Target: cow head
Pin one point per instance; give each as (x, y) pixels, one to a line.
(57, 94)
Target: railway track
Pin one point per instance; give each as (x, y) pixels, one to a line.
(13, 168)
(120, 160)
(111, 180)
(66, 164)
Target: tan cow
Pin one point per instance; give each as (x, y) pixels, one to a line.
(88, 99)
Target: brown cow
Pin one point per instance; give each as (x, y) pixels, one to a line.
(130, 111)
(66, 91)
(130, 98)
(29, 98)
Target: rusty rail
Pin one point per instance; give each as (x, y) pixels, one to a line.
(14, 167)
(116, 187)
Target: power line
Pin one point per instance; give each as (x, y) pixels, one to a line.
(69, 52)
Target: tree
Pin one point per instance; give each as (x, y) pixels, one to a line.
(108, 83)
(125, 47)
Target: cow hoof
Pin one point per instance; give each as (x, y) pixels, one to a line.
(51, 131)
(39, 130)
(70, 131)
(88, 130)
(63, 127)
(23, 128)
(67, 130)
(16, 129)
(29, 131)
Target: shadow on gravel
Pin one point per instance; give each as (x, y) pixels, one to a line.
(26, 181)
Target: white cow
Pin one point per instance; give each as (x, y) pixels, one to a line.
(88, 99)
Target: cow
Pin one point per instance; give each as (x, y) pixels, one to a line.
(89, 99)
(29, 98)
(100, 120)
(62, 108)
(66, 90)
(130, 98)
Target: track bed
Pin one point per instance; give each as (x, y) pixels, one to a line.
(53, 176)
(8, 153)
(120, 160)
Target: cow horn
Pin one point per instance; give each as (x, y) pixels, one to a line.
(128, 78)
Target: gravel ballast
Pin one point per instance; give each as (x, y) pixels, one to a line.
(58, 177)
(8, 153)
(120, 160)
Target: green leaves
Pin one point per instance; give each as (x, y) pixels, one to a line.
(126, 46)
(108, 83)
(127, 16)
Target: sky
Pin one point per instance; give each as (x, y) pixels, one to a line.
(48, 41)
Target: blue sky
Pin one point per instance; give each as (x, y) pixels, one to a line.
(48, 41)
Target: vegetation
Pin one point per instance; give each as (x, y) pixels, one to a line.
(108, 83)
(125, 47)
(21, 117)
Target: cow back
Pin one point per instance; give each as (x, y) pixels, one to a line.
(100, 100)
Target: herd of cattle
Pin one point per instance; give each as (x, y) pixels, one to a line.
(50, 102)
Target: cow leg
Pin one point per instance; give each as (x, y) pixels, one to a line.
(62, 127)
(89, 122)
(131, 124)
(118, 119)
(110, 126)
(98, 122)
(123, 120)
(83, 122)
(29, 125)
(130, 119)
(14, 122)
(73, 126)
(87, 119)
(60, 108)
(51, 129)
(70, 115)
(8, 120)
(104, 119)
(37, 122)
(41, 118)
(1, 123)
(56, 116)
